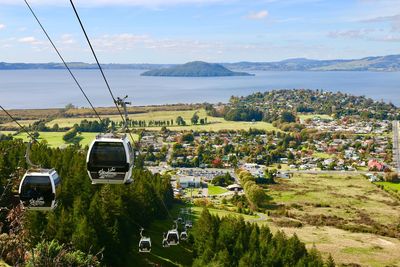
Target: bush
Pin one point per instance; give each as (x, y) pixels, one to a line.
(391, 177)
(70, 135)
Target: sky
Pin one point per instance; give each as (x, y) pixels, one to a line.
(178, 31)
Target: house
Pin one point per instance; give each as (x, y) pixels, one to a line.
(374, 164)
(190, 181)
(234, 187)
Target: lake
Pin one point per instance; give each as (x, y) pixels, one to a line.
(55, 88)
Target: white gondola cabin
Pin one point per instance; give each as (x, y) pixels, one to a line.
(110, 159)
(38, 189)
(145, 244)
(173, 237)
(184, 235)
(188, 224)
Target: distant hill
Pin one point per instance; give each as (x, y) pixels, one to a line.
(382, 63)
(195, 69)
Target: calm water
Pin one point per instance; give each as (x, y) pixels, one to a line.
(55, 88)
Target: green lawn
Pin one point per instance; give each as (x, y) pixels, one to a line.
(222, 213)
(323, 155)
(216, 190)
(54, 139)
(214, 123)
(390, 186)
(7, 132)
(310, 116)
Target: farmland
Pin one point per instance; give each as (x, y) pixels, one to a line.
(344, 215)
(213, 123)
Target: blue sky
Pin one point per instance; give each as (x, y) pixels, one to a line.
(177, 31)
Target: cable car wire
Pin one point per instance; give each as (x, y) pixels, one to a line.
(99, 65)
(62, 59)
(97, 61)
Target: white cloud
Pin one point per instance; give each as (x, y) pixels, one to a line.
(366, 34)
(30, 40)
(119, 42)
(352, 34)
(67, 39)
(2, 26)
(262, 14)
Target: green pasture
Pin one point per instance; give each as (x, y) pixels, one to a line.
(213, 123)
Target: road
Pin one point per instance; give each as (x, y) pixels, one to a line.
(396, 151)
(326, 172)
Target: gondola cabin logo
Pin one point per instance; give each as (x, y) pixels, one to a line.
(110, 173)
(36, 203)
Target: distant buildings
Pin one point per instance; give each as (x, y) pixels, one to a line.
(375, 165)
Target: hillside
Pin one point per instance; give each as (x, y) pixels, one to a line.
(381, 63)
(195, 69)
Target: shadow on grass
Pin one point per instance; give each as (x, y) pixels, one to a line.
(75, 141)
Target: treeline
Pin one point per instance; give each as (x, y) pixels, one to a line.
(242, 113)
(255, 194)
(90, 218)
(230, 241)
(83, 126)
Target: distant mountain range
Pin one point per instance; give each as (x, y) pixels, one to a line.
(383, 63)
(195, 69)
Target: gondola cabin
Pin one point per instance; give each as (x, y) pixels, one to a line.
(173, 237)
(110, 159)
(38, 189)
(184, 235)
(145, 244)
(188, 224)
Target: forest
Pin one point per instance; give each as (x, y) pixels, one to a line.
(99, 225)
(230, 241)
(91, 219)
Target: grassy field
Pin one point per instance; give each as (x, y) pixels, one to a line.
(329, 206)
(7, 132)
(22, 122)
(222, 213)
(216, 190)
(323, 155)
(214, 123)
(310, 116)
(395, 187)
(55, 139)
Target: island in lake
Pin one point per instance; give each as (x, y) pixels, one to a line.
(195, 69)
